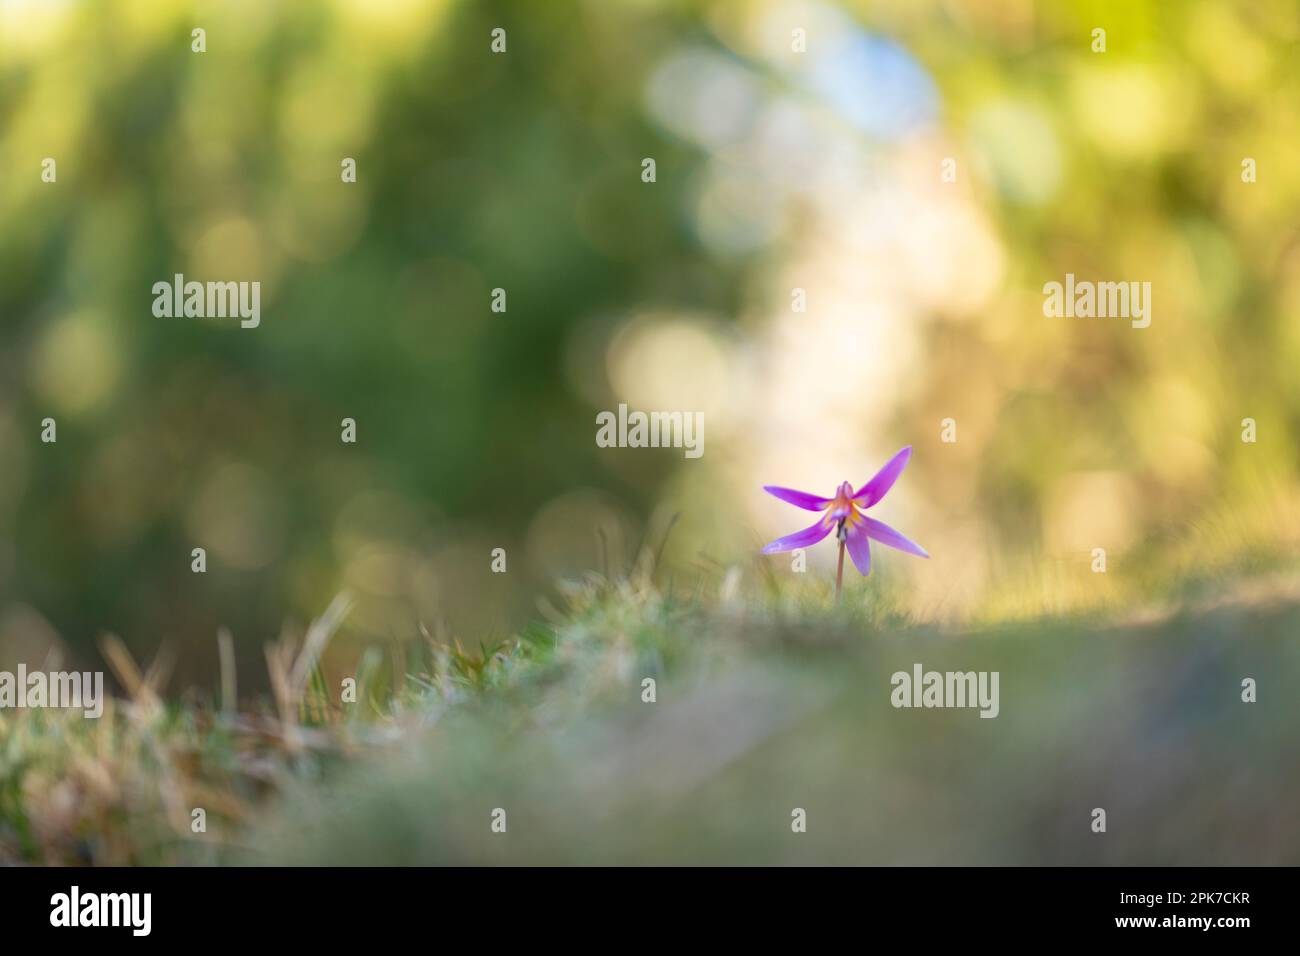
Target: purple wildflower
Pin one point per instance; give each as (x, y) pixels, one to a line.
(844, 514)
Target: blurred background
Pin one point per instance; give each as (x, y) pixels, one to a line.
(777, 170)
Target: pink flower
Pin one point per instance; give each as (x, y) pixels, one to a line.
(844, 513)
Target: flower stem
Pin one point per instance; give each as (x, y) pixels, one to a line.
(839, 573)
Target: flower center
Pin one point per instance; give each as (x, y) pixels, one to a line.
(843, 511)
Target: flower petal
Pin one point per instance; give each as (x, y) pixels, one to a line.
(887, 535)
(800, 539)
(858, 544)
(877, 487)
(800, 499)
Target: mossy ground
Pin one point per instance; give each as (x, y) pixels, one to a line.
(767, 699)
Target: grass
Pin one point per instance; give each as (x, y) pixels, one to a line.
(767, 699)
